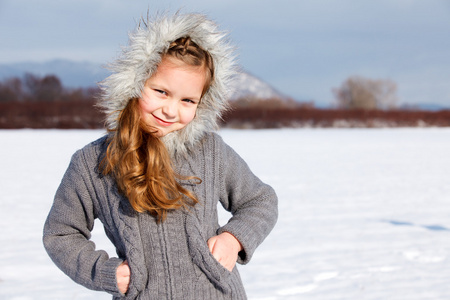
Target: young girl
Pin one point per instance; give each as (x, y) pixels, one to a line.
(155, 180)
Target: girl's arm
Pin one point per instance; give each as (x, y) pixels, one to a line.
(68, 229)
(252, 203)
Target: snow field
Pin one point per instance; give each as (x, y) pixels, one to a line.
(363, 213)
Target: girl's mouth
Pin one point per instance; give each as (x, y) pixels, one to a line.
(161, 121)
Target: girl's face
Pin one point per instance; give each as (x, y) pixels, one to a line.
(171, 95)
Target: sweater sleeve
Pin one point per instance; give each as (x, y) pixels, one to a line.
(67, 232)
(252, 203)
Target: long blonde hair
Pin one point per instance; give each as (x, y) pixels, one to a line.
(139, 160)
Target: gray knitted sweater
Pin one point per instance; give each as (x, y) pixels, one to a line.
(168, 260)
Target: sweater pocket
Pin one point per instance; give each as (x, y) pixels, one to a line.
(202, 257)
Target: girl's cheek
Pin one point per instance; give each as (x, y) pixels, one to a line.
(189, 116)
(144, 106)
(146, 93)
(145, 102)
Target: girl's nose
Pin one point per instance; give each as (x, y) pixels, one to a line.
(169, 109)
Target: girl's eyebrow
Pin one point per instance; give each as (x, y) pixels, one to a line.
(154, 85)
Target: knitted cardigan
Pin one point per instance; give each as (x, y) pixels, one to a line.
(168, 260)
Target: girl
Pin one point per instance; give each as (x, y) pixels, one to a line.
(155, 180)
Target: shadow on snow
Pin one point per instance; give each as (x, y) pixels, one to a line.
(428, 227)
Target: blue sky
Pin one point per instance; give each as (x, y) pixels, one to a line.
(303, 48)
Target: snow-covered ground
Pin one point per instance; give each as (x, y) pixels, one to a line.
(364, 213)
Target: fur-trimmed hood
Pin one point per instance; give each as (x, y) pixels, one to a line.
(140, 58)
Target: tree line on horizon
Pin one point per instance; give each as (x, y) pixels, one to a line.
(43, 102)
(355, 93)
(49, 88)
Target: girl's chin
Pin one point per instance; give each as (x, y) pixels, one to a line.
(161, 132)
(158, 132)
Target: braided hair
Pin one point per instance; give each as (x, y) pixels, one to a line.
(185, 50)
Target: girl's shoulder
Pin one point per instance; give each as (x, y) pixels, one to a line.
(92, 153)
(214, 137)
(212, 141)
(95, 147)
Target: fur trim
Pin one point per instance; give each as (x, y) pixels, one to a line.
(139, 60)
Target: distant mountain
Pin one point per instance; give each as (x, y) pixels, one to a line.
(246, 85)
(71, 73)
(85, 74)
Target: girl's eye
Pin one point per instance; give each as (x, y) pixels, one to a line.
(161, 92)
(189, 101)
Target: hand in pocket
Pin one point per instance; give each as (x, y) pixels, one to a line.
(225, 248)
(123, 277)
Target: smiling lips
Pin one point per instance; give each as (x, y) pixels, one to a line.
(162, 122)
